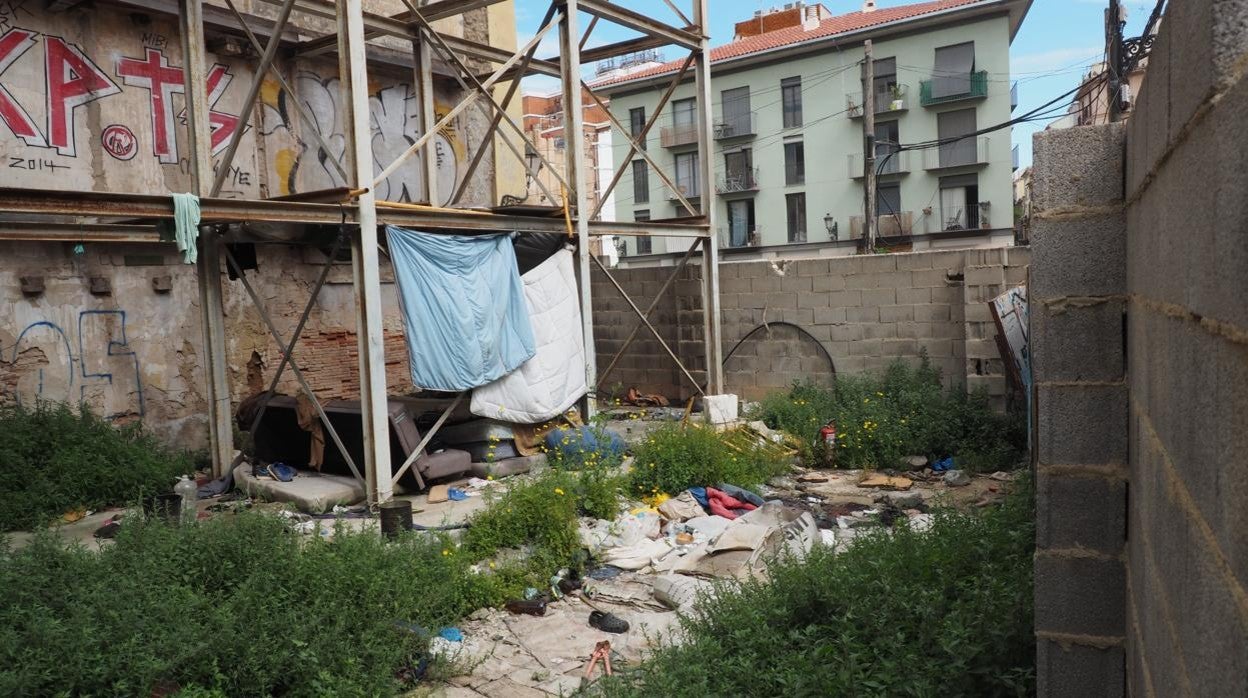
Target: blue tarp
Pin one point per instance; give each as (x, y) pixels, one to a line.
(464, 311)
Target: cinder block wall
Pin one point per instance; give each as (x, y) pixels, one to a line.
(1140, 335)
(1187, 280)
(842, 315)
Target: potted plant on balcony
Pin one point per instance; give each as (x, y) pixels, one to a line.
(897, 102)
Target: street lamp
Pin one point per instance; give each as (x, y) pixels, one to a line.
(833, 230)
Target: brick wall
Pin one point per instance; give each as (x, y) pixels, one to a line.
(842, 315)
(1140, 334)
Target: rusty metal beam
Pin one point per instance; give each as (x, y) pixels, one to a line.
(640, 22)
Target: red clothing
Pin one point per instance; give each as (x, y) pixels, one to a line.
(722, 504)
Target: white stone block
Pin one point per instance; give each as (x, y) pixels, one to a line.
(720, 409)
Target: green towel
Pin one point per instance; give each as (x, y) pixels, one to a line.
(186, 225)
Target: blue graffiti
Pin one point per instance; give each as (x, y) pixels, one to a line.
(114, 349)
(117, 345)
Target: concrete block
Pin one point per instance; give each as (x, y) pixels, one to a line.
(864, 314)
(931, 278)
(844, 299)
(867, 347)
(781, 299)
(825, 316)
(948, 295)
(800, 316)
(812, 299)
(1078, 671)
(914, 330)
(719, 409)
(765, 284)
(870, 264)
(828, 282)
(792, 282)
(983, 276)
(1078, 257)
(993, 386)
(1207, 38)
(881, 330)
(1078, 343)
(938, 348)
(754, 270)
(809, 267)
(879, 297)
(899, 347)
(1080, 595)
(931, 313)
(1081, 512)
(913, 296)
(845, 333)
(896, 313)
(1078, 167)
(1082, 424)
(862, 282)
(735, 285)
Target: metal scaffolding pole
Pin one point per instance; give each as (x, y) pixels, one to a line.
(710, 246)
(574, 137)
(208, 263)
(423, 58)
(365, 265)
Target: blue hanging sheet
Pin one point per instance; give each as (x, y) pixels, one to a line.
(463, 307)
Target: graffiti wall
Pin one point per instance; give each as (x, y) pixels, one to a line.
(95, 101)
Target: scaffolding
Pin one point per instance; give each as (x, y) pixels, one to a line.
(91, 216)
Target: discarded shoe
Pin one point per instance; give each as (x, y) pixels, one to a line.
(281, 472)
(608, 622)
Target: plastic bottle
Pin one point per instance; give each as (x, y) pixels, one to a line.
(189, 491)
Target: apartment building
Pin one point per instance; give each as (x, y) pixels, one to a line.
(789, 135)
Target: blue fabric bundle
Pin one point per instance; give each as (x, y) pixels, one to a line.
(574, 445)
(464, 311)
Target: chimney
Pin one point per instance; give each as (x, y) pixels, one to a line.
(868, 5)
(811, 19)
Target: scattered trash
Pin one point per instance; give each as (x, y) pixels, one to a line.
(957, 478)
(812, 477)
(438, 494)
(902, 501)
(601, 653)
(608, 622)
(282, 472)
(456, 495)
(942, 465)
(74, 515)
(1002, 476)
(633, 397)
(217, 487)
(189, 492)
(532, 607)
(109, 529)
(604, 572)
(451, 634)
(678, 591)
(681, 508)
(888, 482)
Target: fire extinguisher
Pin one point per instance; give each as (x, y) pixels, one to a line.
(828, 433)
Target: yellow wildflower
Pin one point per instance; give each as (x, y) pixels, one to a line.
(445, 551)
(559, 491)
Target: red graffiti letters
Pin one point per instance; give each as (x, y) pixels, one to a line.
(73, 81)
(13, 44)
(162, 81)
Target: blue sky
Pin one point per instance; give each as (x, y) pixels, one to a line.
(1058, 41)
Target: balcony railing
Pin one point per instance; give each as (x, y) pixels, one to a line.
(894, 100)
(1013, 97)
(675, 136)
(686, 190)
(737, 126)
(972, 86)
(891, 225)
(752, 238)
(738, 182)
(1014, 157)
(961, 153)
(963, 218)
(899, 163)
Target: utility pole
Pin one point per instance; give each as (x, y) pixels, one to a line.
(868, 139)
(1113, 55)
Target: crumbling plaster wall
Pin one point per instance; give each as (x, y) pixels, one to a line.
(862, 313)
(1140, 335)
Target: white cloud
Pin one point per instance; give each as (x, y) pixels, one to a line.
(1058, 59)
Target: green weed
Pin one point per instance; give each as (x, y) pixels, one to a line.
(947, 611)
(53, 460)
(675, 457)
(905, 411)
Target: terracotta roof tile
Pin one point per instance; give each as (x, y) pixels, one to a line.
(830, 26)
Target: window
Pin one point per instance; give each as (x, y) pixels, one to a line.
(641, 182)
(738, 171)
(951, 125)
(888, 199)
(644, 245)
(736, 107)
(637, 122)
(959, 202)
(740, 222)
(684, 113)
(887, 143)
(952, 74)
(791, 98)
(687, 174)
(794, 163)
(795, 211)
(884, 72)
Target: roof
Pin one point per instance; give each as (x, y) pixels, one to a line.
(828, 27)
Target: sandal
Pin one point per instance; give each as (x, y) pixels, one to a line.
(608, 622)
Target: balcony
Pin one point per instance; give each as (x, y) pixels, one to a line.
(973, 86)
(753, 238)
(895, 100)
(964, 218)
(892, 225)
(690, 192)
(745, 182)
(1014, 157)
(963, 153)
(738, 126)
(676, 136)
(899, 163)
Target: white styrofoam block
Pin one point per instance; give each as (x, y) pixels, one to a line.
(720, 409)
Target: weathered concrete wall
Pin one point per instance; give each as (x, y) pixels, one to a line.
(133, 353)
(93, 101)
(862, 313)
(1142, 566)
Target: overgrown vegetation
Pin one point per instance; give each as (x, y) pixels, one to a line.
(945, 612)
(904, 412)
(675, 457)
(54, 459)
